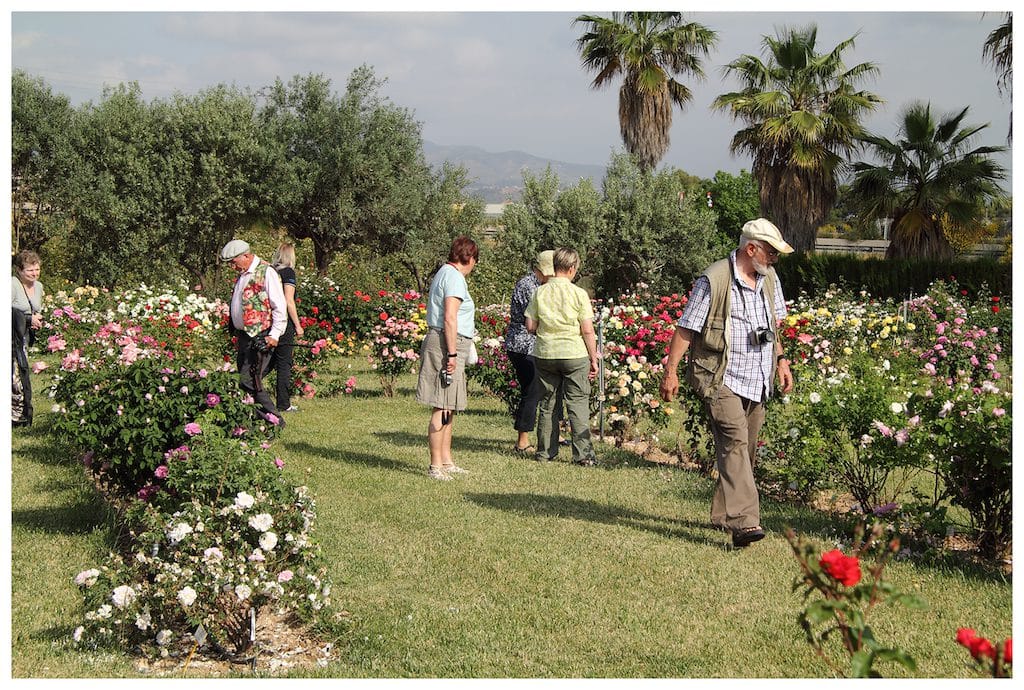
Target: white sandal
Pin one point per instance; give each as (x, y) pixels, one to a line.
(438, 473)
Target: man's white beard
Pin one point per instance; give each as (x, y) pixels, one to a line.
(761, 268)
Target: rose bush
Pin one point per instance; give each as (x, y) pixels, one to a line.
(205, 564)
(841, 599)
(984, 651)
(395, 343)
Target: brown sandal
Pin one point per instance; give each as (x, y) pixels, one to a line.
(747, 536)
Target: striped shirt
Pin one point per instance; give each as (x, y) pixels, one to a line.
(558, 308)
(748, 371)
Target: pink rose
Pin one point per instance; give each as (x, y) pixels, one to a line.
(161, 472)
(193, 429)
(284, 576)
(38, 367)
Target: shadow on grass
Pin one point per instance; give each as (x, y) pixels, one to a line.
(459, 443)
(36, 444)
(81, 518)
(582, 509)
(337, 455)
(477, 412)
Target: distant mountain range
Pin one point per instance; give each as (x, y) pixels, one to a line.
(498, 177)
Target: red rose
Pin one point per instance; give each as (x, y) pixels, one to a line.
(382, 293)
(1008, 650)
(845, 569)
(978, 646)
(995, 299)
(383, 316)
(995, 310)
(965, 635)
(981, 647)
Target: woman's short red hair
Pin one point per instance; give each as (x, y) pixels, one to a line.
(463, 249)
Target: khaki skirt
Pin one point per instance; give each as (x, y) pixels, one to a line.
(433, 358)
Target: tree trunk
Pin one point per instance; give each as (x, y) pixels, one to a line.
(918, 242)
(323, 256)
(797, 202)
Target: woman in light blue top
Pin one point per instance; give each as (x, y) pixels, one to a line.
(451, 326)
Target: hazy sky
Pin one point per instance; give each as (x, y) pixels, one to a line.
(499, 80)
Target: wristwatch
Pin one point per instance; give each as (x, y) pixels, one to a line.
(452, 354)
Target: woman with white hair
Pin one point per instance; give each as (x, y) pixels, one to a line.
(566, 357)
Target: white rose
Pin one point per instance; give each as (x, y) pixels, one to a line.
(104, 611)
(77, 635)
(123, 596)
(242, 592)
(163, 637)
(87, 578)
(261, 522)
(143, 620)
(896, 408)
(268, 540)
(213, 555)
(187, 596)
(244, 500)
(814, 398)
(178, 532)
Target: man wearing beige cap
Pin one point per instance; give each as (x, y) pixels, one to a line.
(257, 319)
(729, 327)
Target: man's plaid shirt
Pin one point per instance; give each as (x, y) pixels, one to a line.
(749, 368)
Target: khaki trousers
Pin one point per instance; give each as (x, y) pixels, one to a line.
(567, 379)
(735, 424)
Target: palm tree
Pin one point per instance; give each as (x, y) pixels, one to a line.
(929, 182)
(803, 118)
(648, 49)
(998, 50)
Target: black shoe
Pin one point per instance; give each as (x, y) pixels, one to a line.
(746, 536)
(22, 422)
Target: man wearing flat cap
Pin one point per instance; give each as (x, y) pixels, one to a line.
(258, 316)
(729, 327)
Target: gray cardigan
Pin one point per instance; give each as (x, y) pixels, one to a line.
(20, 299)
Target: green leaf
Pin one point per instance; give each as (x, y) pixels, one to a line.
(897, 655)
(860, 664)
(820, 611)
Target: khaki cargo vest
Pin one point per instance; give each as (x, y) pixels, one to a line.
(709, 350)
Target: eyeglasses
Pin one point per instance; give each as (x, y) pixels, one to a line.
(772, 253)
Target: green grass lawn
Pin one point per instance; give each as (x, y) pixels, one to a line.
(519, 569)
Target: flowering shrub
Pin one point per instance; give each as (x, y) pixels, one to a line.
(969, 432)
(206, 564)
(885, 391)
(847, 597)
(637, 328)
(1000, 654)
(395, 343)
(855, 423)
(125, 417)
(495, 372)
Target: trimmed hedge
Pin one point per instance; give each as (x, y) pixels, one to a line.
(895, 278)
